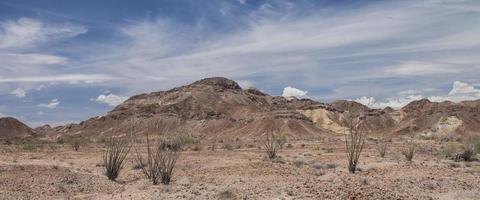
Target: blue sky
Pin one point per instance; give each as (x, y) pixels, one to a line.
(66, 61)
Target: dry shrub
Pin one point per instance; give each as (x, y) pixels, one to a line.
(114, 156)
(382, 145)
(271, 145)
(161, 159)
(354, 141)
(282, 140)
(298, 162)
(410, 149)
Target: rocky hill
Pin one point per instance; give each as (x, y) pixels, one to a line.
(438, 119)
(212, 107)
(13, 129)
(219, 107)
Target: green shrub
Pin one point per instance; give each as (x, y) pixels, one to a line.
(74, 141)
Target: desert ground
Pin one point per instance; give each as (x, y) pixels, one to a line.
(306, 170)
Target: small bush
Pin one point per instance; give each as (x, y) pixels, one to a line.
(382, 145)
(74, 141)
(468, 154)
(298, 162)
(474, 140)
(197, 148)
(319, 165)
(282, 140)
(228, 146)
(226, 193)
(270, 144)
(114, 156)
(29, 146)
(410, 150)
(188, 139)
(161, 159)
(289, 146)
(450, 149)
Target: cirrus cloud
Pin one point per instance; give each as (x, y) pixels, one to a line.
(52, 104)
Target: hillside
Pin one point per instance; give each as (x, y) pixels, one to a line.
(212, 107)
(219, 107)
(12, 129)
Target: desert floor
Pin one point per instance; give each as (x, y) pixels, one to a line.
(61, 173)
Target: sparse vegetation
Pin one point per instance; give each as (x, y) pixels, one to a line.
(410, 149)
(160, 160)
(114, 156)
(282, 140)
(382, 145)
(298, 162)
(228, 146)
(354, 141)
(270, 144)
(74, 141)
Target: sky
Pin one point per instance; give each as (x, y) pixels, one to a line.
(66, 61)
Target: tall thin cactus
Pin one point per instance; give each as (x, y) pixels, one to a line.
(114, 156)
(354, 141)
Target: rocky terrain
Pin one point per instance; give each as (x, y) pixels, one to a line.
(307, 170)
(220, 108)
(224, 158)
(12, 129)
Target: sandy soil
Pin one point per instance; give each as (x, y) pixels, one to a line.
(241, 174)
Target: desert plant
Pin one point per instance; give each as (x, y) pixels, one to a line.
(354, 141)
(474, 141)
(467, 154)
(161, 159)
(382, 144)
(282, 140)
(298, 162)
(75, 144)
(410, 149)
(114, 156)
(450, 149)
(74, 141)
(270, 144)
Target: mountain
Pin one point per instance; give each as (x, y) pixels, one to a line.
(212, 107)
(438, 119)
(12, 129)
(219, 108)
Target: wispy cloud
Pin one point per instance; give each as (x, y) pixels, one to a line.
(323, 48)
(334, 52)
(20, 93)
(52, 104)
(460, 91)
(27, 32)
(70, 78)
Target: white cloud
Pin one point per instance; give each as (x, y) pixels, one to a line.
(27, 32)
(30, 59)
(52, 104)
(294, 92)
(20, 93)
(395, 102)
(424, 68)
(111, 99)
(71, 78)
(460, 91)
